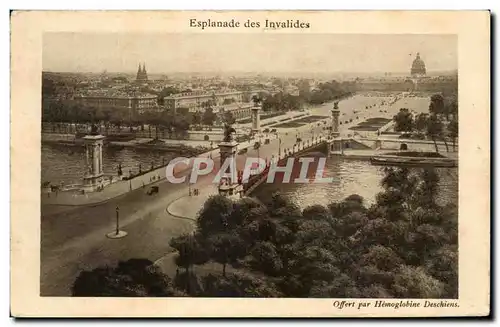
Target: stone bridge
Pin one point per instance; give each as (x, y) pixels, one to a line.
(298, 150)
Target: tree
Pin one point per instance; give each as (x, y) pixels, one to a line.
(437, 105)
(453, 131)
(317, 212)
(403, 245)
(135, 277)
(208, 117)
(443, 265)
(403, 120)
(227, 248)
(311, 265)
(238, 284)
(196, 118)
(229, 118)
(381, 257)
(421, 122)
(340, 287)
(181, 126)
(434, 129)
(191, 250)
(453, 108)
(414, 282)
(214, 216)
(264, 257)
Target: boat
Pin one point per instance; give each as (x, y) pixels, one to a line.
(412, 161)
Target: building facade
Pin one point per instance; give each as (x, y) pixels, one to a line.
(198, 101)
(132, 105)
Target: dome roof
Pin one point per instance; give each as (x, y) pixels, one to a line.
(418, 66)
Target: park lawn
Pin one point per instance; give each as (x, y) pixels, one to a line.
(310, 119)
(292, 124)
(371, 124)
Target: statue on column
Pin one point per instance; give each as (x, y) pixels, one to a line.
(336, 105)
(94, 130)
(228, 133)
(256, 100)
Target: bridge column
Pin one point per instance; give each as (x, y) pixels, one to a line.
(93, 149)
(335, 145)
(335, 120)
(229, 187)
(256, 118)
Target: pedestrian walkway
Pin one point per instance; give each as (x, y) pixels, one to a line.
(188, 207)
(74, 198)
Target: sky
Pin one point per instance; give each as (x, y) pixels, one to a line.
(256, 52)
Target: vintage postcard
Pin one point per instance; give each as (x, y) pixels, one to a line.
(250, 164)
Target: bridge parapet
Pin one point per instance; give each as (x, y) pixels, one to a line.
(298, 150)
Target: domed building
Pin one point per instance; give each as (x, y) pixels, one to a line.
(418, 67)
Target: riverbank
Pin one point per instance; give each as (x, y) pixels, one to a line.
(122, 187)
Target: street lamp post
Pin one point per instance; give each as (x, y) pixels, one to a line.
(117, 220)
(189, 182)
(279, 148)
(117, 233)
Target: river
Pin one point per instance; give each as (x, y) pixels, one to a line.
(63, 163)
(352, 177)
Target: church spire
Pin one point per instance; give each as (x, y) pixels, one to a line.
(142, 75)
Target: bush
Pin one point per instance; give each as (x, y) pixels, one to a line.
(135, 277)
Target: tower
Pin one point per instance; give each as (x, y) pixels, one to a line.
(139, 73)
(144, 72)
(142, 75)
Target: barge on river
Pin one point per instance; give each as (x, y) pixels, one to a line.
(392, 160)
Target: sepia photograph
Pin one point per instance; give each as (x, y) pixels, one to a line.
(114, 117)
(251, 165)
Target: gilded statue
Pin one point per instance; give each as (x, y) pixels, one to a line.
(228, 133)
(94, 130)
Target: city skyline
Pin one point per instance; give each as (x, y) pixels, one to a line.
(246, 53)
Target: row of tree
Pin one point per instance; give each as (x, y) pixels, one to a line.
(324, 92)
(402, 246)
(328, 91)
(441, 123)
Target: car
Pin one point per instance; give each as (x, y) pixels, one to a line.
(243, 151)
(153, 190)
